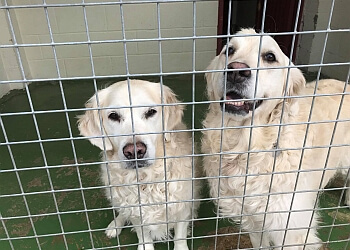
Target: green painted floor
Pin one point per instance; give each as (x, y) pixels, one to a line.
(47, 96)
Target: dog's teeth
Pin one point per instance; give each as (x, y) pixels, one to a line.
(236, 103)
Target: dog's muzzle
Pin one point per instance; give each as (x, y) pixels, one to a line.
(236, 81)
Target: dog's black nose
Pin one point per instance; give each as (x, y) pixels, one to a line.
(129, 150)
(238, 76)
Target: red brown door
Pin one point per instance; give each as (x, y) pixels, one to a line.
(280, 16)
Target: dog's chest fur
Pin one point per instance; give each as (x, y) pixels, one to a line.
(245, 166)
(151, 191)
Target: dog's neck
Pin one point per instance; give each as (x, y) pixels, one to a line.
(250, 133)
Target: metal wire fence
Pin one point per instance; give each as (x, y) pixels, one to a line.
(22, 216)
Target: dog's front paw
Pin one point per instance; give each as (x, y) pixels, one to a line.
(347, 195)
(145, 247)
(112, 231)
(181, 246)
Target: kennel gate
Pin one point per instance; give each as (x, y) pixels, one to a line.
(50, 196)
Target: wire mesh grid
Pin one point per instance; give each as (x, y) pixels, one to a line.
(38, 201)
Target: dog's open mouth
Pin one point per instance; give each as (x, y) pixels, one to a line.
(240, 106)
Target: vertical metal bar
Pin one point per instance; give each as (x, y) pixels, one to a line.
(347, 175)
(194, 13)
(307, 129)
(348, 242)
(252, 122)
(326, 163)
(65, 107)
(132, 120)
(101, 124)
(163, 122)
(68, 123)
(31, 107)
(4, 226)
(281, 120)
(19, 183)
(222, 125)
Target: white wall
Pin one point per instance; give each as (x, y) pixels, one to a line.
(104, 23)
(9, 67)
(316, 17)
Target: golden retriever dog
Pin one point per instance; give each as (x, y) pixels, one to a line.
(149, 190)
(270, 157)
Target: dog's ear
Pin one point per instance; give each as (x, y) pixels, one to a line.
(296, 83)
(212, 89)
(172, 114)
(89, 124)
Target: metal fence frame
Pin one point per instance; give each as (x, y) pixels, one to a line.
(16, 47)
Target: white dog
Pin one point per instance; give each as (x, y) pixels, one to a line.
(151, 206)
(265, 172)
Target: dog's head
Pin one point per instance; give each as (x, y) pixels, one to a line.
(132, 133)
(243, 81)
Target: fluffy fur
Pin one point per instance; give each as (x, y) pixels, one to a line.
(152, 193)
(250, 175)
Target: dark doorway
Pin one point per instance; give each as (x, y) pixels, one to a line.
(280, 17)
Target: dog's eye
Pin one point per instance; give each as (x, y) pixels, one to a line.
(270, 57)
(150, 113)
(114, 116)
(230, 51)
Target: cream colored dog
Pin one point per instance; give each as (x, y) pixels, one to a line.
(135, 148)
(271, 174)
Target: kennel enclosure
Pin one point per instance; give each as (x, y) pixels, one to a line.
(54, 55)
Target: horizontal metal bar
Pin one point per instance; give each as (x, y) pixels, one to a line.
(169, 104)
(171, 131)
(178, 157)
(159, 74)
(159, 39)
(128, 107)
(84, 4)
(188, 179)
(170, 221)
(195, 237)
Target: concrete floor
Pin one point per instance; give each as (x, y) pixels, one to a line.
(47, 96)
